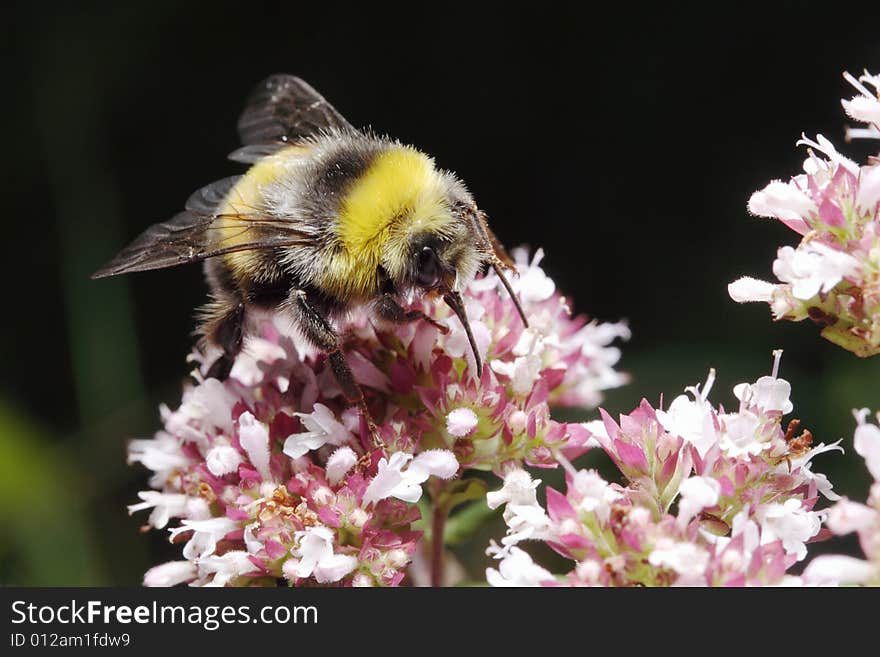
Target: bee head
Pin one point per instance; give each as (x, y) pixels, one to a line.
(436, 238)
(444, 262)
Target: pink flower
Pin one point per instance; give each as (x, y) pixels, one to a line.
(322, 428)
(518, 569)
(830, 277)
(314, 549)
(696, 494)
(392, 480)
(271, 477)
(865, 107)
(846, 517)
(461, 421)
(252, 514)
(170, 573)
(698, 505)
(867, 443)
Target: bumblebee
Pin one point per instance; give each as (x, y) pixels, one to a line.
(327, 218)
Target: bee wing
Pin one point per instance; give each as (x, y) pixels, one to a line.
(200, 232)
(255, 152)
(190, 237)
(284, 108)
(206, 200)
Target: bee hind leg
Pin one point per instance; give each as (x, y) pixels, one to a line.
(223, 326)
(318, 330)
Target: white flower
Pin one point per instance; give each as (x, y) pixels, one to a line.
(590, 571)
(871, 132)
(523, 372)
(767, 393)
(526, 522)
(824, 146)
(393, 481)
(222, 458)
(867, 443)
(532, 285)
(697, 493)
(161, 454)
(687, 559)
(207, 405)
(847, 516)
(316, 556)
(518, 488)
(749, 531)
(813, 268)
(339, 463)
(740, 435)
(597, 430)
(457, 343)
(785, 202)
(869, 188)
(362, 581)
(517, 569)
(593, 337)
(251, 542)
(322, 429)
(461, 421)
(747, 289)
(170, 505)
(206, 533)
(790, 523)
(254, 439)
(254, 357)
(803, 464)
(595, 371)
(517, 421)
(834, 569)
(863, 109)
(744, 526)
(866, 107)
(225, 567)
(170, 573)
(596, 494)
(691, 420)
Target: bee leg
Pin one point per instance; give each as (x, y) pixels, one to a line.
(388, 308)
(227, 332)
(317, 330)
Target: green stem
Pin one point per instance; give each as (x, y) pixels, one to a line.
(438, 525)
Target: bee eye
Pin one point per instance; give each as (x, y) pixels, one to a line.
(427, 268)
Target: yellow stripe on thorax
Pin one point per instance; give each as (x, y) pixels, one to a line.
(398, 195)
(245, 198)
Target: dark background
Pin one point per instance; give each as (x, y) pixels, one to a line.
(626, 144)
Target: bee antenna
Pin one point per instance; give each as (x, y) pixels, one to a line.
(514, 298)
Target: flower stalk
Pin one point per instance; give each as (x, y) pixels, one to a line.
(440, 513)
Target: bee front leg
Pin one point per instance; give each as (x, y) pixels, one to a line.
(319, 332)
(388, 308)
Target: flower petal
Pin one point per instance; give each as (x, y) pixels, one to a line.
(339, 463)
